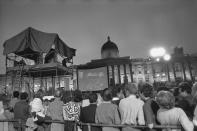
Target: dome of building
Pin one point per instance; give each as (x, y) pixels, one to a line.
(109, 50)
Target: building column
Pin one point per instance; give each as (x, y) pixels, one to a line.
(131, 72)
(77, 73)
(46, 86)
(125, 75)
(190, 70)
(59, 81)
(183, 68)
(174, 71)
(119, 79)
(168, 72)
(153, 71)
(113, 78)
(108, 75)
(53, 84)
(41, 81)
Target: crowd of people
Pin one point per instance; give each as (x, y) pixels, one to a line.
(129, 104)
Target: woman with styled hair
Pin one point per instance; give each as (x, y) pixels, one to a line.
(106, 112)
(170, 115)
(71, 109)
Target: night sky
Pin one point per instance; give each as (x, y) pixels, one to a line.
(134, 25)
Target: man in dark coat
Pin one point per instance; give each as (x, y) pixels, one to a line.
(87, 114)
(21, 111)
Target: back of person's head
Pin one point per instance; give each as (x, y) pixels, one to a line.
(185, 87)
(16, 94)
(93, 97)
(77, 94)
(39, 94)
(85, 95)
(115, 91)
(131, 88)
(176, 91)
(58, 93)
(165, 99)
(147, 90)
(140, 85)
(107, 94)
(67, 96)
(118, 91)
(23, 96)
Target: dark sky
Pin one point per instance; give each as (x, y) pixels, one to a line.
(134, 25)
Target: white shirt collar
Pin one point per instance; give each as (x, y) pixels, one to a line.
(132, 96)
(115, 99)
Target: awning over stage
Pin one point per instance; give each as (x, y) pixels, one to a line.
(30, 42)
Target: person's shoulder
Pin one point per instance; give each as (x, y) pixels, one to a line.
(140, 101)
(123, 100)
(18, 103)
(67, 104)
(113, 105)
(86, 107)
(149, 102)
(178, 110)
(89, 107)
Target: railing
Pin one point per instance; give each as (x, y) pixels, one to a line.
(5, 126)
(89, 125)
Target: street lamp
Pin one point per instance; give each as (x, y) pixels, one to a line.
(166, 57)
(158, 53)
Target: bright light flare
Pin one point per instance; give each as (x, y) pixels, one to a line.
(157, 59)
(157, 52)
(158, 75)
(167, 57)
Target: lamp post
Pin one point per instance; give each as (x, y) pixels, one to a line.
(167, 57)
(157, 53)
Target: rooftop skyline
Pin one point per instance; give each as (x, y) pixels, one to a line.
(134, 25)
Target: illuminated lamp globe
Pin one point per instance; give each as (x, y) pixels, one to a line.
(167, 57)
(157, 52)
(157, 59)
